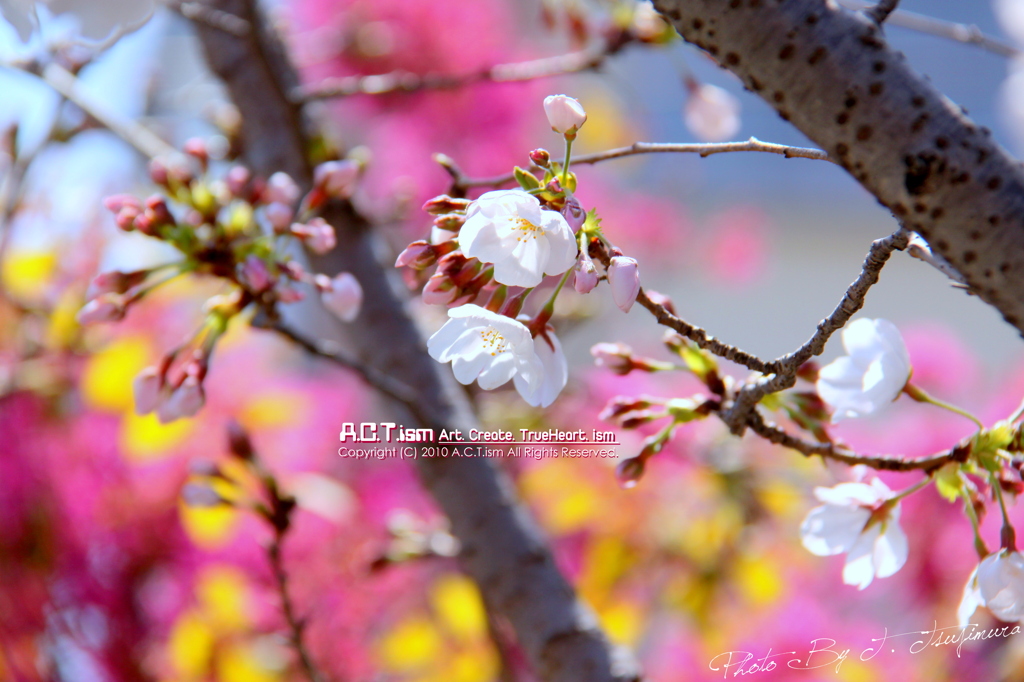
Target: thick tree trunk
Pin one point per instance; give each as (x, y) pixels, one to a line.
(831, 74)
(502, 550)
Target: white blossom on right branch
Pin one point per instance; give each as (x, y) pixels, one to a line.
(872, 373)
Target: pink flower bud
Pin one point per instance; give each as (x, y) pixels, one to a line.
(618, 357)
(184, 401)
(158, 172)
(196, 148)
(439, 290)
(442, 204)
(565, 114)
(279, 216)
(621, 405)
(255, 274)
(629, 471)
(711, 113)
(109, 307)
(237, 180)
(317, 234)
(115, 282)
(282, 189)
(345, 297)
(147, 389)
(337, 179)
(624, 277)
(573, 212)
(118, 202)
(584, 278)
(418, 255)
(452, 222)
(541, 157)
(145, 223)
(160, 213)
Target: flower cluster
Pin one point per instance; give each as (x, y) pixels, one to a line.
(501, 247)
(236, 228)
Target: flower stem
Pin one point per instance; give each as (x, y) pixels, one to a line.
(912, 489)
(921, 396)
(568, 157)
(549, 307)
(979, 544)
(1007, 534)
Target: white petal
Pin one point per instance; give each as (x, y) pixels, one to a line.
(831, 529)
(498, 372)
(860, 566)
(467, 365)
(523, 266)
(970, 602)
(1001, 582)
(853, 494)
(863, 342)
(445, 337)
(555, 372)
(890, 550)
(562, 248)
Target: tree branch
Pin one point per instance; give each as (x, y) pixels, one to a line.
(774, 434)
(463, 182)
(961, 33)
(406, 81)
(502, 548)
(830, 73)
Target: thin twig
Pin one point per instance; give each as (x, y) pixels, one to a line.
(701, 337)
(405, 81)
(296, 627)
(137, 135)
(881, 11)
(784, 369)
(962, 33)
(774, 434)
(704, 149)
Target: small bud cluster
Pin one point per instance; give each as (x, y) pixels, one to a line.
(234, 228)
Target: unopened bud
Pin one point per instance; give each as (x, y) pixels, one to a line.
(442, 204)
(541, 157)
(629, 471)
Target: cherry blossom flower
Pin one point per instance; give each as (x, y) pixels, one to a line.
(862, 520)
(998, 584)
(509, 229)
(490, 349)
(345, 297)
(871, 375)
(624, 278)
(565, 114)
(711, 113)
(184, 401)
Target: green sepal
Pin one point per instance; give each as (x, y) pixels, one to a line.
(526, 179)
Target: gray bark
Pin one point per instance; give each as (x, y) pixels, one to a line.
(502, 549)
(831, 74)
